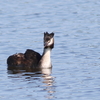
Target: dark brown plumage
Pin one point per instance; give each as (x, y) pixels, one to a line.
(28, 60)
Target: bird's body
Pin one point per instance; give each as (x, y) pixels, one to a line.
(32, 59)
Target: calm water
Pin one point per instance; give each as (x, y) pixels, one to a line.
(76, 57)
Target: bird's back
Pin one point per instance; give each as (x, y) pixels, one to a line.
(24, 61)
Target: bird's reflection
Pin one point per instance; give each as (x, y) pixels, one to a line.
(37, 74)
(47, 78)
(48, 81)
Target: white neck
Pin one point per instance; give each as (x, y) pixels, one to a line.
(45, 61)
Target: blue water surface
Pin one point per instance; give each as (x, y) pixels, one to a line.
(75, 58)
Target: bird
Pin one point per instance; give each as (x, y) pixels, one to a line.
(32, 59)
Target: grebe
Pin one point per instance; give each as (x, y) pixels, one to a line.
(32, 59)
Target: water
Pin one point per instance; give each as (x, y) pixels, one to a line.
(76, 57)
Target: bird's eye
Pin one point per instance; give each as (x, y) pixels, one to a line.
(47, 39)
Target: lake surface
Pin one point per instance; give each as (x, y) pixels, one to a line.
(76, 57)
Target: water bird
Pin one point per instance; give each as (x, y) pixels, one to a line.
(32, 59)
